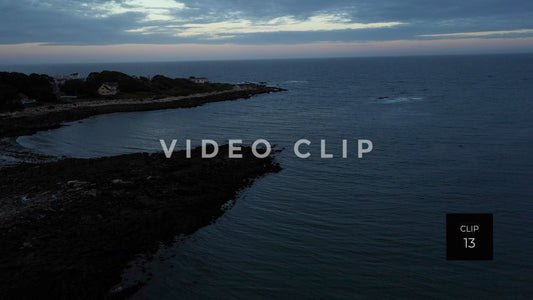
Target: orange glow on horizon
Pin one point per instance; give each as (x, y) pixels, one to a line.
(42, 53)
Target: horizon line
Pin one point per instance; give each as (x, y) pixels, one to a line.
(268, 59)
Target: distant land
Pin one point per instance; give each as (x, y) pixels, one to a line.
(29, 103)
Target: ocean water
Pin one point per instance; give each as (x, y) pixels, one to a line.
(453, 136)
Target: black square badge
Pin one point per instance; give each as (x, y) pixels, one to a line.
(469, 236)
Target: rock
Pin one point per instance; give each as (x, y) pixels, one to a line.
(92, 192)
(99, 226)
(120, 181)
(26, 245)
(76, 183)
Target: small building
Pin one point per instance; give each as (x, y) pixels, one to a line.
(73, 76)
(108, 89)
(60, 79)
(25, 100)
(199, 80)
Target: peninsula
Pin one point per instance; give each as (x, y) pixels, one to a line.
(71, 227)
(29, 103)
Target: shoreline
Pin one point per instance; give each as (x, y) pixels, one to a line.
(70, 228)
(45, 117)
(12, 153)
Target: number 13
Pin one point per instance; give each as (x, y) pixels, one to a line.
(470, 242)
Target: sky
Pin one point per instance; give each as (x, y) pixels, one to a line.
(55, 31)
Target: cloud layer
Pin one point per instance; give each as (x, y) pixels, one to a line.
(262, 23)
(96, 22)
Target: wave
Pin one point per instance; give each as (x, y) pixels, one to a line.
(387, 100)
(295, 81)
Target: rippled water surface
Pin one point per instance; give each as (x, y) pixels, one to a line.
(453, 135)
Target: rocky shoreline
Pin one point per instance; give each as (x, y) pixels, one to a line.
(69, 228)
(51, 116)
(12, 153)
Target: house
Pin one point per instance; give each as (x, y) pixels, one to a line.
(73, 76)
(68, 77)
(108, 89)
(60, 79)
(199, 80)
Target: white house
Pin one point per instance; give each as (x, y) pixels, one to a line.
(108, 89)
(199, 80)
(60, 79)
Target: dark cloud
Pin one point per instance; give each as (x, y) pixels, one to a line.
(96, 22)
